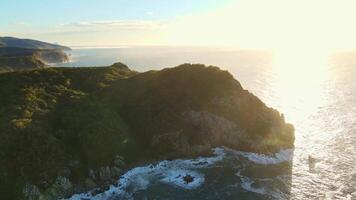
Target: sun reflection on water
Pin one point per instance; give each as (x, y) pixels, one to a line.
(298, 83)
(310, 92)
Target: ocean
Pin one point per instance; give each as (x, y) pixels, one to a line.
(315, 93)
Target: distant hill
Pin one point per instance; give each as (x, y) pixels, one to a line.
(29, 44)
(24, 54)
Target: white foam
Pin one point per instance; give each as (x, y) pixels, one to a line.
(246, 184)
(175, 177)
(170, 172)
(285, 155)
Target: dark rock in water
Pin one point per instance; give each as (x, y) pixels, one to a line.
(311, 159)
(201, 163)
(188, 179)
(312, 162)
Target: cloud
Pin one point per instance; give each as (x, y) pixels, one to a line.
(149, 13)
(117, 24)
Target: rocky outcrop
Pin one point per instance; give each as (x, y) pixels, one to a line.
(11, 64)
(73, 123)
(62, 187)
(210, 109)
(52, 56)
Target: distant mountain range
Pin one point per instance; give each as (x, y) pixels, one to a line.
(25, 54)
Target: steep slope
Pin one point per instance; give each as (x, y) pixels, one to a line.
(19, 59)
(24, 54)
(10, 64)
(66, 130)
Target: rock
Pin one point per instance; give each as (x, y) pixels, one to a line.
(188, 179)
(119, 161)
(61, 188)
(104, 174)
(63, 185)
(89, 184)
(31, 192)
(115, 172)
(216, 129)
(92, 175)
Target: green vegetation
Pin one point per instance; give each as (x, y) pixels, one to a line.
(52, 117)
(9, 64)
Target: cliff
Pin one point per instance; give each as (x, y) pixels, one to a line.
(24, 54)
(11, 64)
(65, 130)
(19, 59)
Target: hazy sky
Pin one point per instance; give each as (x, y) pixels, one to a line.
(278, 24)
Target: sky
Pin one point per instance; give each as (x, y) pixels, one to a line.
(319, 25)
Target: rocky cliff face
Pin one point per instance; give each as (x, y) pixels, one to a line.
(72, 129)
(24, 54)
(17, 59)
(53, 56)
(11, 64)
(194, 108)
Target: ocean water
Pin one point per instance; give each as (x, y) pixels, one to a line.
(317, 93)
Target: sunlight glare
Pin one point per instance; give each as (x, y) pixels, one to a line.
(298, 79)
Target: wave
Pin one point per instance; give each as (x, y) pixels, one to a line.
(285, 155)
(246, 183)
(170, 172)
(174, 173)
(251, 185)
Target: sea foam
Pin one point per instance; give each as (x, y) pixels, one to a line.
(169, 172)
(285, 155)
